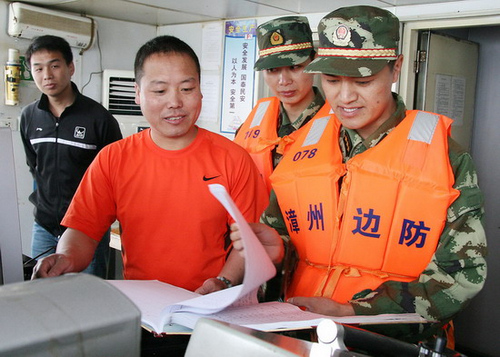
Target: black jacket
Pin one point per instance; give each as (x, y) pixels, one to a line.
(59, 150)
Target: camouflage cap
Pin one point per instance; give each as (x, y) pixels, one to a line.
(356, 41)
(285, 41)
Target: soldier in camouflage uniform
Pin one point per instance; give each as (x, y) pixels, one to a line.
(358, 45)
(286, 47)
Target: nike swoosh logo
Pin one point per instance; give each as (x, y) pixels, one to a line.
(209, 178)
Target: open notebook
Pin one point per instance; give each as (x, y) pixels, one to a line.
(169, 309)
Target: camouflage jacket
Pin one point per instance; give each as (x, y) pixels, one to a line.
(457, 271)
(286, 127)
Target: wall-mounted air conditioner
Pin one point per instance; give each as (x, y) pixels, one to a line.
(29, 21)
(118, 96)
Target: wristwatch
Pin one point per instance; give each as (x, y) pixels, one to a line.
(225, 281)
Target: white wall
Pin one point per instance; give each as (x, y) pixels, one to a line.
(118, 42)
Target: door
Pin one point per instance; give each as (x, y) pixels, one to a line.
(446, 69)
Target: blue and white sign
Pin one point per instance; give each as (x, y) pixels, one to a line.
(238, 74)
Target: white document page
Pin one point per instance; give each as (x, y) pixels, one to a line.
(258, 267)
(151, 297)
(157, 300)
(273, 316)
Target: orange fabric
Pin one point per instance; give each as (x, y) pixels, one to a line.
(258, 134)
(449, 330)
(390, 210)
(173, 229)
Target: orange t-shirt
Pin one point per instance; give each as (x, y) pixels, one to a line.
(173, 229)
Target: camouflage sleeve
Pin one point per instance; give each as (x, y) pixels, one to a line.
(457, 271)
(272, 216)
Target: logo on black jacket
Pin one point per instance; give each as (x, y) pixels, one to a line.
(79, 132)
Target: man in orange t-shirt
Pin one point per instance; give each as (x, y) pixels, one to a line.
(156, 184)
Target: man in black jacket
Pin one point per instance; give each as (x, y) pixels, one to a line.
(62, 132)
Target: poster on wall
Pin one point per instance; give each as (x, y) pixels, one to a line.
(450, 97)
(238, 73)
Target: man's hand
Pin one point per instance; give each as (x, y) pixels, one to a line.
(322, 305)
(74, 253)
(52, 265)
(270, 239)
(211, 285)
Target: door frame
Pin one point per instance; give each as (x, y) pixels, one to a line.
(409, 42)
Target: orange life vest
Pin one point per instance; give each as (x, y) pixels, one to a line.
(377, 217)
(258, 134)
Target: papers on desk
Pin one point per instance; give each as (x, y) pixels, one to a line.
(165, 307)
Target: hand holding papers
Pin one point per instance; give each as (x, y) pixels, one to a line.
(164, 307)
(258, 265)
(159, 301)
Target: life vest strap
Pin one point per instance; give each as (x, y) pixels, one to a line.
(281, 144)
(333, 273)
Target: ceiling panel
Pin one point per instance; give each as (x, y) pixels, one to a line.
(216, 9)
(315, 6)
(414, 2)
(168, 12)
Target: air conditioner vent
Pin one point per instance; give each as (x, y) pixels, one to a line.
(121, 99)
(118, 96)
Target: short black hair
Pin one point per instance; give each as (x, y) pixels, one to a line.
(162, 44)
(50, 43)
